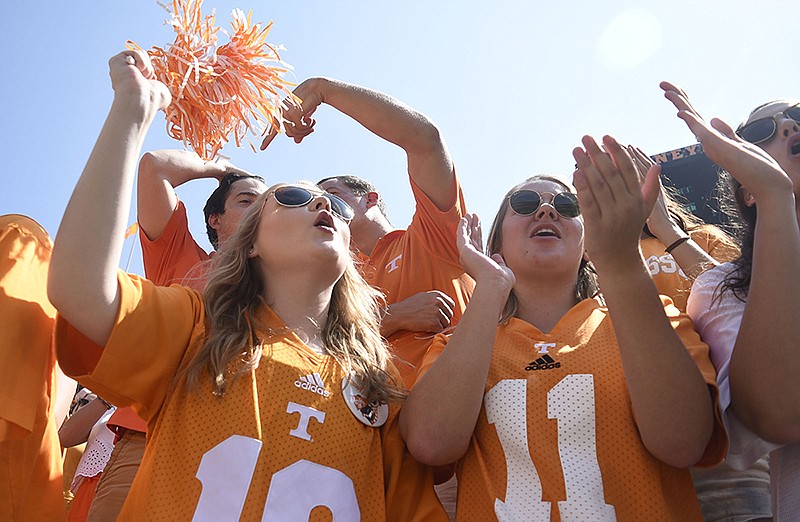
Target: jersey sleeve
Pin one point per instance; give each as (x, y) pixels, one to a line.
(153, 329)
(436, 228)
(174, 254)
(717, 317)
(408, 485)
(26, 325)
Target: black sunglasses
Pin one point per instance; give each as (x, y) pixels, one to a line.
(526, 202)
(762, 129)
(292, 196)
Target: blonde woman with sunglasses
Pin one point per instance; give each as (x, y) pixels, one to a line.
(270, 396)
(747, 309)
(557, 413)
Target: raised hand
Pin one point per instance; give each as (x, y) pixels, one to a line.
(297, 112)
(748, 163)
(659, 220)
(230, 168)
(615, 201)
(134, 82)
(476, 264)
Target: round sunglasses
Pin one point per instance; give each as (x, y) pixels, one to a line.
(762, 129)
(293, 196)
(526, 202)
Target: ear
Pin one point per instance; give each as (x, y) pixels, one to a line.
(372, 199)
(252, 252)
(747, 196)
(586, 256)
(213, 221)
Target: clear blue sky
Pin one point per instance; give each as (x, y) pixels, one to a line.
(512, 85)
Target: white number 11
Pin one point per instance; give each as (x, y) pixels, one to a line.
(571, 403)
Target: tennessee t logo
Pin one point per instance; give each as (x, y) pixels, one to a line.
(394, 264)
(306, 414)
(543, 347)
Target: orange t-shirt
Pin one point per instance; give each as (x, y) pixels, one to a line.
(668, 276)
(421, 258)
(30, 452)
(282, 442)
(175, 257)
(556, 438)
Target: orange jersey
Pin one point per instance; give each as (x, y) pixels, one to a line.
(175, 257)
(556, 438)
(282, 443)
(668, 276)
(169, 259)
(421, 258)
(30, 452)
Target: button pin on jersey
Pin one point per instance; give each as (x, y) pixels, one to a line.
(373, 414)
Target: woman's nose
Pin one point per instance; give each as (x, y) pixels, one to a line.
(546, 208)
(320, 202)
(787, 127)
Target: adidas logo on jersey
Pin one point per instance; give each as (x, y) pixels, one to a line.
(543, 363)
(313, 383)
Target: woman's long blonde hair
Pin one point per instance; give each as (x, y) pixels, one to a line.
(234, 297)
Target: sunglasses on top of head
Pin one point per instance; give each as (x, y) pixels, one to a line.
(292, 196)
(762, 129)
(526, 202)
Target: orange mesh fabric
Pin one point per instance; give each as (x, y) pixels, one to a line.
(556, 431)
(668, 276)
(269, 443)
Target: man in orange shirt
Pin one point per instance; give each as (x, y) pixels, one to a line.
(170, 253)
(417, 269)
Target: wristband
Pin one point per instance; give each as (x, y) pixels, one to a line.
(678, 242)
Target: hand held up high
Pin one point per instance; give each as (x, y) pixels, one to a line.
(135, 86)
(615, 201)
(748, 163)
(476, 264)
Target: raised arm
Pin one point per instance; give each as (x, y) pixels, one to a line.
(429, 163)
(83, 271)
(671, 402)
(160, 173)
(692, 259)
(439, 416)
(765, 394)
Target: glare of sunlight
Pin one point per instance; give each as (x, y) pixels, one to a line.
(629, 40)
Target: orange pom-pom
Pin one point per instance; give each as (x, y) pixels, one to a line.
(218, 90)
